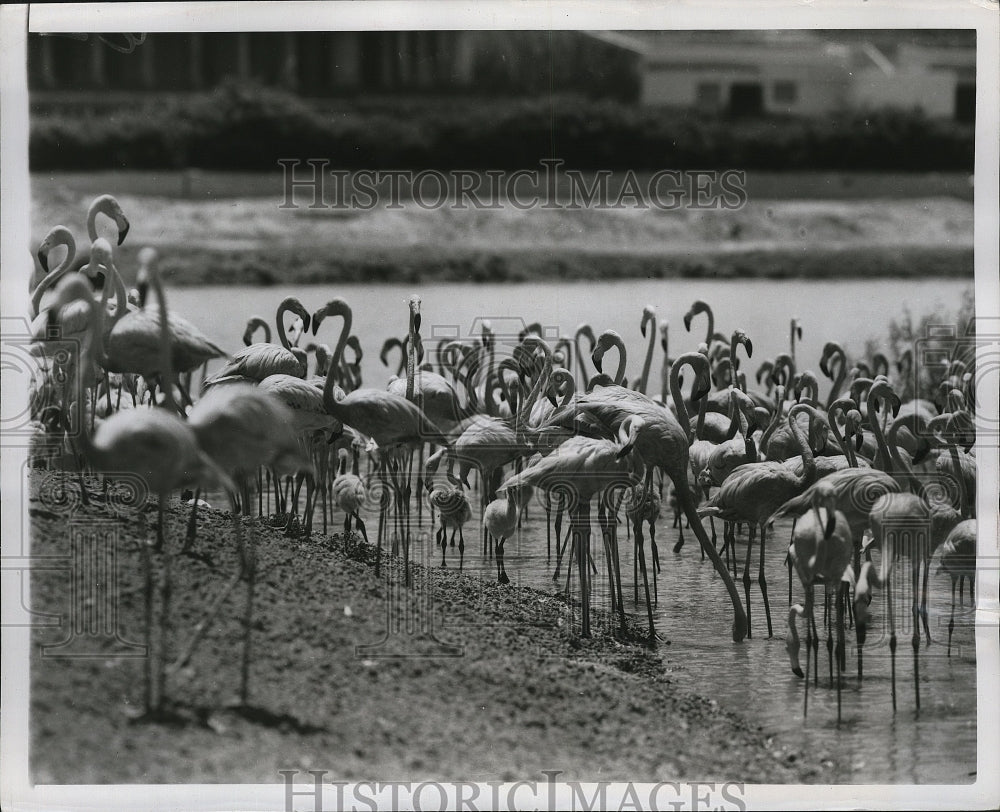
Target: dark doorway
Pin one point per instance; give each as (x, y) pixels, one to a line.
(746, 99)
(965, 102)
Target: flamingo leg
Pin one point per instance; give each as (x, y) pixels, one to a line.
(656, 562)
(746, 587)
(461, 548)
(606, 540)
(841, 591)
(250, 568)
(951, 620)
(501, 571)
(915, 638)
(923, 595)
(640, 552)
(359, 522)
(149, 695)
(892, 636)
(809, 647)
(192, 526)
(762, 582)
(583, 557)
(829, 632)
(165, 597)
(788, 566)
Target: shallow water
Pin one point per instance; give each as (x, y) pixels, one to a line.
(850, 312)
(872, 744)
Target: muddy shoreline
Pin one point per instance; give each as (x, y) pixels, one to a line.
(524, 694)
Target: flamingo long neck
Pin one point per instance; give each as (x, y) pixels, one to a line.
(775, 420)
(166, 350)
(121, 298)
(283, 308)
(345, 331)
(711, 325)
(257, 323)
(956, 461)
(489, 401)
(678, 398)
(844, 445)
(331, 404)
(55, 274)
(511, 513)
(524, 410)
(839, 380)
(665, 368)
(699, 432)
(570, 385)
(411, 360)
(582, 356)
(808, 461)
(648, 363)
(97, 207)
(622, 361)
(403, 345)
(734, 416)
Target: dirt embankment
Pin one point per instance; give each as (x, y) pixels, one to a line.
(524, 694)
(241, 239)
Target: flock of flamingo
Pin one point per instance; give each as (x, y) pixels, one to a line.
(860, 471)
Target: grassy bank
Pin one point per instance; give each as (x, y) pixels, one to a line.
(192, 265)
(525, 695)
(230, 229)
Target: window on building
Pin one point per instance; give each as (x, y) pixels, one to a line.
(786, 92)
(746, 99)
(709, 95)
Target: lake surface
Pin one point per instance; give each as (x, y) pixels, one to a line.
(872, 744)
(849, 312)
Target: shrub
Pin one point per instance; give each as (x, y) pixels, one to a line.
(246, 126)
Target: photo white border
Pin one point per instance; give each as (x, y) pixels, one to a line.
(16, 793)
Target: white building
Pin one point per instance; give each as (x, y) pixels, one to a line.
(797, 72)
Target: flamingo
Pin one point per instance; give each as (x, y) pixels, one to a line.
(452, 505)
(833, 354)
(154, 445)
(433, 393)
(820, 551)
(667, 361)
(390, 420)
(752, 492)
(257, 361)
(913, 520)
(609, 339)
(103, 204)
(661, 442)
(133, 339)
(242, 428)
(255, 323)
(586, 331)
(350, 493)
(795, 332)
(58, 235)
(648, 320)
(958, 559)
(579, 468)
(703, 307)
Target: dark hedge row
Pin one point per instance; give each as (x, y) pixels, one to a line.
(241, 126)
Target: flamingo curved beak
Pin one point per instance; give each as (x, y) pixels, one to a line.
(123, 227)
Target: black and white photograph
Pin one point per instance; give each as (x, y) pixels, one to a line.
(518, 405)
